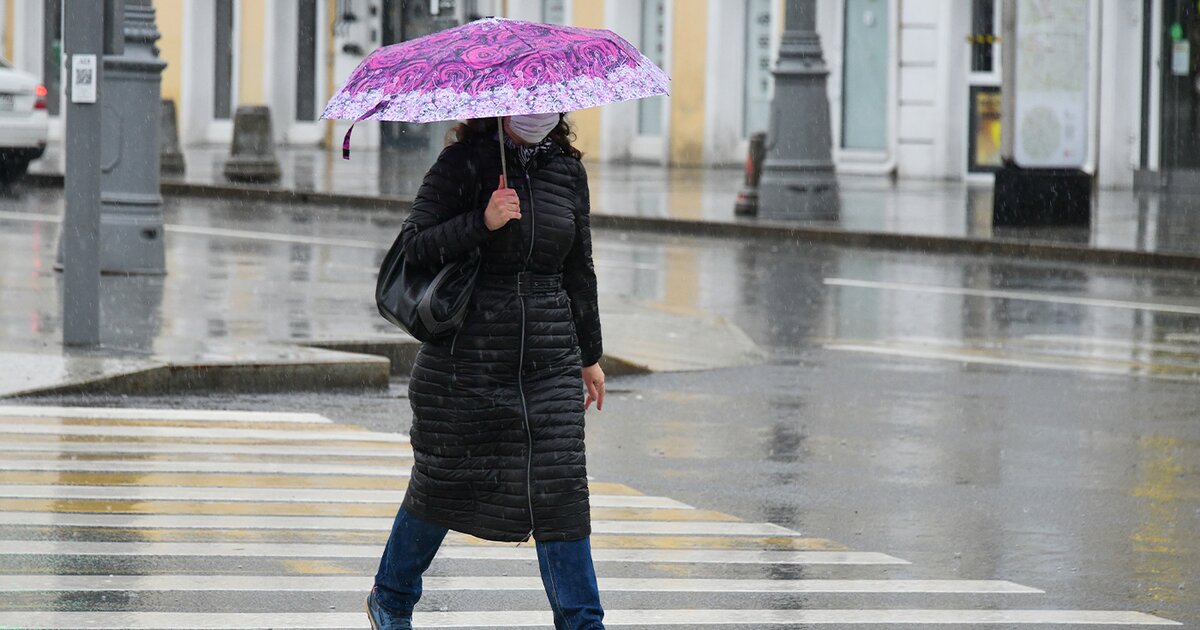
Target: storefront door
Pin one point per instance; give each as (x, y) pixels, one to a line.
(1180, 101)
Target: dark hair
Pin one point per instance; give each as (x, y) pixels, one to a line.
(562, 134)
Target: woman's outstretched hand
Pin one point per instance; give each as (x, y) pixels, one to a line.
(503, 207)
(593, 379)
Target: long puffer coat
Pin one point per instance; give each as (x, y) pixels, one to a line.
(498, 409)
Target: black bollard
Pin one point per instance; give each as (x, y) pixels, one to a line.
(253, 152)
(747, 199)
(169, 156)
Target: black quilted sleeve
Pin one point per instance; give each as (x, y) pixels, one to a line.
(579, 277)
(444, 224)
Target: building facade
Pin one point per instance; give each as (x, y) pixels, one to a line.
(913, 84)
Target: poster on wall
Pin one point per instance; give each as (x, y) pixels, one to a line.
(1053, 45)
(984, 153)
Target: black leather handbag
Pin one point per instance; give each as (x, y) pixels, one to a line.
(428, 304)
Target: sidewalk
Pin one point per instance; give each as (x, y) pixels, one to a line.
(1145, 230)
(279, 299)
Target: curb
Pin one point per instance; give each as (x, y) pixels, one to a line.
(402, 353)
(362, 372)
(949, 245)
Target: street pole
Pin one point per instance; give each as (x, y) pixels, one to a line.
(83, 37)
(131, 223)
(798, 179)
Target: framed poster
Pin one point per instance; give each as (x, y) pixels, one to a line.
(983, 143)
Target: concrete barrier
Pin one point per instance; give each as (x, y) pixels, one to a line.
(170, 158)
(252, 157)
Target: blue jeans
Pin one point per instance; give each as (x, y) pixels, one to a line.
(567, 573)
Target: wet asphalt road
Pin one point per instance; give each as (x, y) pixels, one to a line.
(981, 418)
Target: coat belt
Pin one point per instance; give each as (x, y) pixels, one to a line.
(524, 283)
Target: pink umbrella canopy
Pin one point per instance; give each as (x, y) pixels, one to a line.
(496, 67)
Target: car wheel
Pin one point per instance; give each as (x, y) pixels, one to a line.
(12, 169)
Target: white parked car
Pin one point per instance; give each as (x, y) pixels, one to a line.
(23, 121)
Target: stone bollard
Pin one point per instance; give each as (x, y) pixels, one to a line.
(169, 156)
(747, 199)
(253, 153)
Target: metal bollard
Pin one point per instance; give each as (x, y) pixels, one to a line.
(170, 158)
(252, 157)
(747, 199)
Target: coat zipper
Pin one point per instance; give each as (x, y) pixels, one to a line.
(521, 365)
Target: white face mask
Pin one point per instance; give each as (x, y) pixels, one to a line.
(533, 128)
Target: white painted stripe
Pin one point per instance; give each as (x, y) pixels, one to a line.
(298, 434)
(352, 583)
(447, 552)
(196, 448)
(1029, 296)
(196, 230)
(287, 495)
(194, 415)
(1132, 345)
(356, 523)
(274, 468)
(539, 618)
(211, 231)
(963, 357)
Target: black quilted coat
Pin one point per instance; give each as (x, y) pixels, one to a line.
(498, 409)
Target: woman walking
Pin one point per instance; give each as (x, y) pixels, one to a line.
(498, 409)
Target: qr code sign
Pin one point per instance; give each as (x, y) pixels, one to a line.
(83, 76)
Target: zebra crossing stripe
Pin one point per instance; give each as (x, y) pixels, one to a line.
(200, 432)
(191, 415)
(274, 495)
(449, 552)
(349, 523)
(363, 583)
(146, 448)
(210, 480)
(278, 468)
(614, 618)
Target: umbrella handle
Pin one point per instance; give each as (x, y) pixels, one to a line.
(346, 139)
(503, 158)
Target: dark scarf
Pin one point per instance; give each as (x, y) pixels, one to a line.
(526, 152)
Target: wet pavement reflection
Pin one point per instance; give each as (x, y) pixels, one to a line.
(983, 418)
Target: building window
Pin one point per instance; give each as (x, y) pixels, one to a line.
(756, 103)
(865, 67)
(554, 11)
(223, 60)
(653, 43)
(983, 154)
(306, 60)
(983, 35)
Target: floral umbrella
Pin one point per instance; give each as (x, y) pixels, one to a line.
(495, 67)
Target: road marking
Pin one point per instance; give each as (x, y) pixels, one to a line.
(277, 495)
(538, 618)
(199, 432)
(369, 524)
(1029, 296)
(198, 230)
(340, 510)
(352, 583)
(208, 480)
(104, 413)
(982, 356)
(1134, 346)
(143, 448)
(449, 552)
(277, 468)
